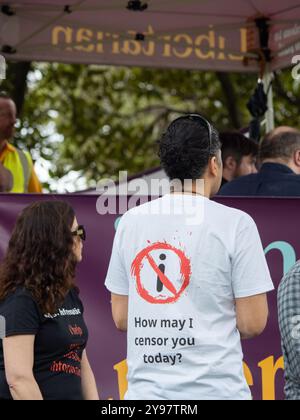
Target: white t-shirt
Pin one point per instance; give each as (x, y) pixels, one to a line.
(182, 260)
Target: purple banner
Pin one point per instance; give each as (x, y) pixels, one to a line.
(279, 226)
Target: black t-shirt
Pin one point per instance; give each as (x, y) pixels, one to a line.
(60, 340)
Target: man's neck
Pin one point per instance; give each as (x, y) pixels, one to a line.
(2, 145)
(200, 188)
(289, 164)
(227, 175)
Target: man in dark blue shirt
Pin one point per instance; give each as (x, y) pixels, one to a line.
(279, 175)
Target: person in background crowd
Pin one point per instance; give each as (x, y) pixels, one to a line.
(289, 323)
(17, 174)
(239, 155)
(187, 290)
(279, 155)
(43, 354)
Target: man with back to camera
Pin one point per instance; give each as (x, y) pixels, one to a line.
(279, 154)
(183, 282)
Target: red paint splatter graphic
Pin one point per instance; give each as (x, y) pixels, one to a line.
(159, 275)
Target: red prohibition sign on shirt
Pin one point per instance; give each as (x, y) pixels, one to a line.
(185, 271)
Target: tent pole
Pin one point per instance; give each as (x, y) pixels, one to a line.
(267, 80)
(263, 26)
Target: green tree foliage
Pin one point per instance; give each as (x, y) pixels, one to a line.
(98, 121)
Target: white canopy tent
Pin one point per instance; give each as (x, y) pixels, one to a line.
(234, 35)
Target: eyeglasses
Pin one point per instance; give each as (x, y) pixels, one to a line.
(204, 121)
(80, 232)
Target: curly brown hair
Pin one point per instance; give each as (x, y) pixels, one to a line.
(40, 255)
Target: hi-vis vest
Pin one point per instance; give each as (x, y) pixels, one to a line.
(19, 163)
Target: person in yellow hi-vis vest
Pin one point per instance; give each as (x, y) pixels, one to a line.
(17, 174)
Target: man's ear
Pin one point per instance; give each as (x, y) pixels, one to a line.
(230, 163)
(297, 158)
(214, 166)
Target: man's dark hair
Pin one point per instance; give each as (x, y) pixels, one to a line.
(185, 149)
(280, 144)
(237, 145)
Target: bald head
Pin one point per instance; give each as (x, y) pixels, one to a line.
(282, 130)
(281, 143)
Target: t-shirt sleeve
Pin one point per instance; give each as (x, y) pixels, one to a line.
(250, 272)
(117, 280)
(21, 314)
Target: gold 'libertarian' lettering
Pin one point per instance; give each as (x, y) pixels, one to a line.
(206, 46)
(268, 367)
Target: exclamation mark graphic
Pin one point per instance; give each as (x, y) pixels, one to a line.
(162, 268)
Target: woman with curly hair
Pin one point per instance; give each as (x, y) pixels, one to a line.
(43, 355)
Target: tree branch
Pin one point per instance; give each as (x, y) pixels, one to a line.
(230, 98)
(16, 82)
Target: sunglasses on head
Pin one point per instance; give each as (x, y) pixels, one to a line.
(204, 122)
(80, 232)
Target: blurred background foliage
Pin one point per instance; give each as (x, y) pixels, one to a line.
(84, 123)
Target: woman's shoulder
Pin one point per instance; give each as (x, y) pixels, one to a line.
(20, 294)
(21, 291)
(20, 312)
